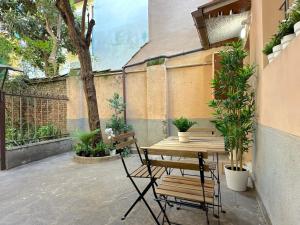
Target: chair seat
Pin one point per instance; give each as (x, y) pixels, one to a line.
(142, 172)
(186, 188)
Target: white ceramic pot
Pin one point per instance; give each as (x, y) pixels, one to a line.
(236, 180)
(297, 28)
(112, 152)
(183, 137)
(270, 57)
(285, 41)
(277, 50)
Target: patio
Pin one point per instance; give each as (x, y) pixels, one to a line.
(59, 191)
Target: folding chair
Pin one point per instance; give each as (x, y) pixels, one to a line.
(190, 191)
(124, 141)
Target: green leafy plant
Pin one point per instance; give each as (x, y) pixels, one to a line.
(157, 61)
(268, 49)
(183, 124)
(47, 132)
(117, 121)
(234, 115)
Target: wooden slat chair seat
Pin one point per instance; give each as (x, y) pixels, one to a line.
(186, 188)
(142, 172)
(188, 191)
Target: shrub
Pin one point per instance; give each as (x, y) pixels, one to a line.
(183, 124)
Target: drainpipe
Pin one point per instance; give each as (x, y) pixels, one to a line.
(143, 62)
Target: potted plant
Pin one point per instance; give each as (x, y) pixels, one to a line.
(295, 16)
(183, 124)
(286, 32)
(110, 134)
(234, 114)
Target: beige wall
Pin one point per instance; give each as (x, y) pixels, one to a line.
(155, 95)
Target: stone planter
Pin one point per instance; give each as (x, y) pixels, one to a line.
(183, 137)
(285, 41)
(24, 154)
(297, 28)
(276, 50)
(92, 160)
(236, 180)
(270, 57)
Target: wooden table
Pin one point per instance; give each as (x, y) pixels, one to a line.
(211, 145)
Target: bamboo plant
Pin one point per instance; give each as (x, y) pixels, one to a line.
(234, 112)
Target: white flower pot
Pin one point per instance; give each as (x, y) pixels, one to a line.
(297, 28)
(276, 50)
(285, 41)
(112, 152)
(183, 137)
(236, 180)
(270, 57)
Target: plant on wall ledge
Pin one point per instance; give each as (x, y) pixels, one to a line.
(234, 115)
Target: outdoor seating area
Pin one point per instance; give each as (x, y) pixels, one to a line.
(149, 112)
(59, 191)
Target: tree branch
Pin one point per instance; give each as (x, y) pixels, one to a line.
(83, 18)
(89, 32)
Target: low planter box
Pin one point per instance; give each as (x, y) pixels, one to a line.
(92, 160)
(24, 154)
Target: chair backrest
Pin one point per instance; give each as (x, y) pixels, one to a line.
(177, 164)
(126, 140)
(201, 166)
(202, 132)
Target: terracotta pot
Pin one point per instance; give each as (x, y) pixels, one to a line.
(236, 180)
(297, 28)
(183, 137)
(285, 41)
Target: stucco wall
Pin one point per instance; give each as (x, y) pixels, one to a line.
(155, 95)
(276, 156)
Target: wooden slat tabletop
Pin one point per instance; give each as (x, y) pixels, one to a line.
(210, 144)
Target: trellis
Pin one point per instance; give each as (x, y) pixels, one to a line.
(26, 112)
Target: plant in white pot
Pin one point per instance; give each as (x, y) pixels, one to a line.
(294, 15)
(234, 114)
(183, 124)
(268, 49)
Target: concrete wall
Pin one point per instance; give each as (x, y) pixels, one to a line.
(276, 156)
(155, 95)
(18, 156)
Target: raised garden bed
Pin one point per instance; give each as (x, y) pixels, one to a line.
(24, 154)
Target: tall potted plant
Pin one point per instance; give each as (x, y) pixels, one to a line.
(183, 124)
(234, 114)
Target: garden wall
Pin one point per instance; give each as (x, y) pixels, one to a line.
(20, 155)
(155, 95)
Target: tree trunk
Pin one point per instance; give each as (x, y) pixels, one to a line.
(82, 43)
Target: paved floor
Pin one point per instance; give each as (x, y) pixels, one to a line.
(58, 191)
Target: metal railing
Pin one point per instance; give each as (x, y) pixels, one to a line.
(284, 7)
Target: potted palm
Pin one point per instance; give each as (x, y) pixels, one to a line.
(234, 114)
(183, 124)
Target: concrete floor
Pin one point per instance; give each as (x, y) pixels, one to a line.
(58, 191)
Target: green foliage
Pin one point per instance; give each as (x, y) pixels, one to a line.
(47, 132)
(39, 31)
(157, 61)
(285, 28)
(6, 49)
(27, 134)
(183, 124)
(117, 122)
(85, 147)
(234, 116)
